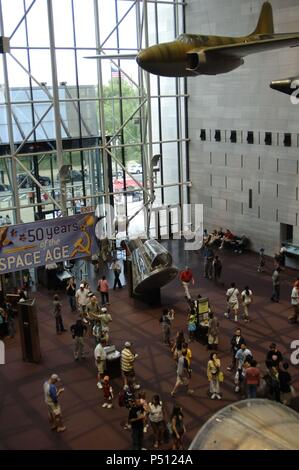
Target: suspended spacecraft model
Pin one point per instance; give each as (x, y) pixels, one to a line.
(151, 266)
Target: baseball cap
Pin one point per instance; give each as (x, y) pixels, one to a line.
(81, 285)
(128, 344)
(103, 309)
(55, 377)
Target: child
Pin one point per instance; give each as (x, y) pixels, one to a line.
(192, 324)
(107, 392)
(262, 261)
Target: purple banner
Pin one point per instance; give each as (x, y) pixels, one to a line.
(44, 242)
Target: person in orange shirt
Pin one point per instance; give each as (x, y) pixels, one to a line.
(103, 288)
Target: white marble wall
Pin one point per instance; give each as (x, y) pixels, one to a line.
(223, 172)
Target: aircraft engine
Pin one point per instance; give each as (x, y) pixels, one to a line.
(195, 60)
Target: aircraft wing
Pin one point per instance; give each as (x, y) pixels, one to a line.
(242, 49)
(112, 56)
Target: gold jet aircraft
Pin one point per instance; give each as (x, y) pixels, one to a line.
(192, 54)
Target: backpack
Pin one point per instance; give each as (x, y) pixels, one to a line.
(126, 398)
(129, 397)
(121, 398)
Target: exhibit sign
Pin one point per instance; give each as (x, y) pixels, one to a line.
(46, 242)
(203, 306)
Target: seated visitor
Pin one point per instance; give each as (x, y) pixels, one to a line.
(227, 238)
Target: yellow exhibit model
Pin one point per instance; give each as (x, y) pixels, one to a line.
(191, 54)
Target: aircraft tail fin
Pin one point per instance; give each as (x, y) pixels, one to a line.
(265, 23)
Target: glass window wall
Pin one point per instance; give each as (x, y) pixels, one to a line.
(104, 107)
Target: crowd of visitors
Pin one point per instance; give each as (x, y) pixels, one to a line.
(245, 375)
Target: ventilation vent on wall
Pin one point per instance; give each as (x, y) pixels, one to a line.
(250, 137)
(287, 140)
(217, 135)
(250, 199)
(203, 134)
(233, 136)
(268, 138)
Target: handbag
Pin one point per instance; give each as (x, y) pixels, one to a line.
(221, 376)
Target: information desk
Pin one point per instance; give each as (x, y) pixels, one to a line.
(202, 310)
(201, 333)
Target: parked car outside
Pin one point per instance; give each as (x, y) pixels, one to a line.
(134, 168)
(24, 181)
(75, 175)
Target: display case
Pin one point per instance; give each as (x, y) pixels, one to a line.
(252, 424)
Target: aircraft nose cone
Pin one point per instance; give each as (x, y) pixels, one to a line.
(145, 59)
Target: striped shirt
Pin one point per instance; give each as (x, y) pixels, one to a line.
(127, 360)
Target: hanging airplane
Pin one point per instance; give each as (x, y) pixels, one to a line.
(192, 54)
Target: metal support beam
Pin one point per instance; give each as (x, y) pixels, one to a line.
(149, 148)
(22, 19)
(102, 129)
(16, 202)
(60, 160)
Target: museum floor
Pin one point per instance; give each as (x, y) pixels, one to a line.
(23, 414)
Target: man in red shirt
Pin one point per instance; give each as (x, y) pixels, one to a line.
(252, 379)
(185, 277)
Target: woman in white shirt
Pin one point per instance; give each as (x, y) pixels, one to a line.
(246, 299)
(156, 417)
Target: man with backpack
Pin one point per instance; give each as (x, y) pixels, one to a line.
(126, 398)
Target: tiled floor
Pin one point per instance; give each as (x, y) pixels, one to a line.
(23, 414)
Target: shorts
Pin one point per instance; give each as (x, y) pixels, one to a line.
(212, 339)
(101, 366)
(129, 373)
(54, 409)
(234, 306)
